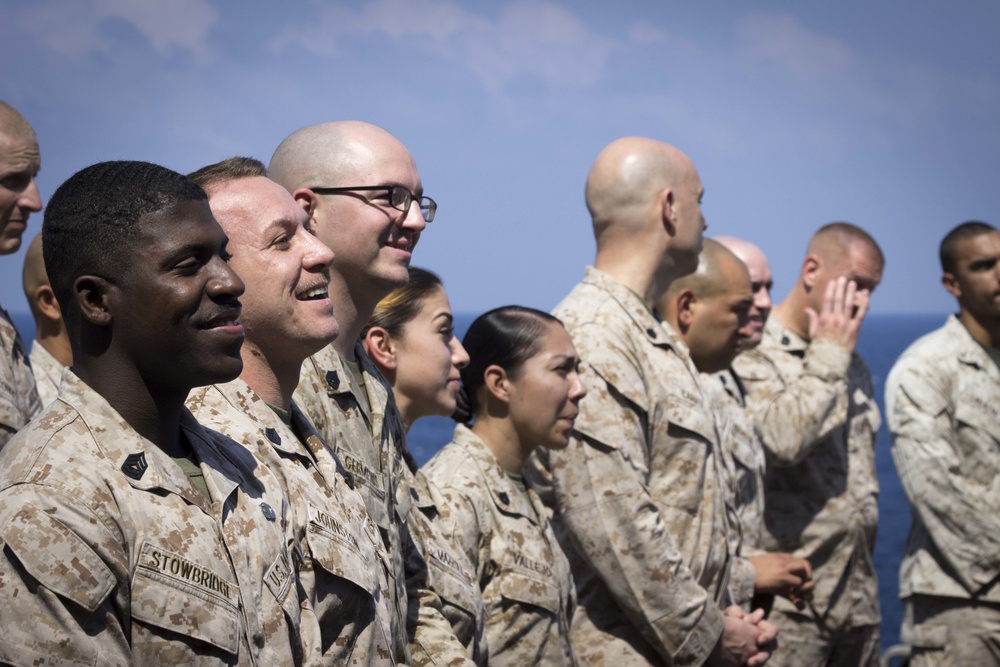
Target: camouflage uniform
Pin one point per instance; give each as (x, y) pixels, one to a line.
(344, 573)
(813, 405)
(743, 459)
(943, 405)
(449, 571)
(636, 495)
(19, 400)
(47, 371)
(113, 557)
(371, 445)
(521, 568)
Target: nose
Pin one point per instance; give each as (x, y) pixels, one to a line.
(459, 357)
(318, 256)
(762, 300)
(225, 281)
(30, 197)
(414, 219)
(577, 388)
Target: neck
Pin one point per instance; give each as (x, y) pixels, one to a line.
(352, 310)
(792, 312)
(154, 414)
(984, 333)
(56, 344)
(644, 275)
(502, 441)
(272, 379)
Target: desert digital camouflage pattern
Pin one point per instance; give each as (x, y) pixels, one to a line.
(345, 569)
(449, 571)
(371, 444)
(47, 371)
(814, 407)
(522, 571)
(113, 557)
(637, 498)
(943, 404)
(19, 400)
(739, 481)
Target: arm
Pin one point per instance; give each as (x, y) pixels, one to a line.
(954, 497)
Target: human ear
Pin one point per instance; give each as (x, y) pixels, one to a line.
(810, 267)
(497, 382)
(667, 211)
(307, 199)
(379, 345)
(95, 296)
(685, 308)
(951, 284)
(45, 301)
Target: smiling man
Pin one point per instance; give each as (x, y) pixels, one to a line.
(943, 403)
(364, 197)
(19, 198)
(131, 534)
(288, 315)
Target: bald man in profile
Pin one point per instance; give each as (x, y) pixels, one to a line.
(19, 198)
(635, 494)
(51, 350)
(363, 193)
(811, 399)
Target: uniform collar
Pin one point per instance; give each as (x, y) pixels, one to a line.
(783, 337)
(970, 351)
(653, 327)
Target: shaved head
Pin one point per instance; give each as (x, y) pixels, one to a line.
(710, 308)
(33, 275)
(833, 243)
(329, 154)
(14, 125)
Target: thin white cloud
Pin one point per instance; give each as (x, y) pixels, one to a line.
(525, 39)
(78, 28)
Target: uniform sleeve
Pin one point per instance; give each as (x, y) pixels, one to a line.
(56, 591)
(433, 641)
(958, 511)
(793, 414)
(614, 523)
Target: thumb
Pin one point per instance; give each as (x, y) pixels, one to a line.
(813, 321)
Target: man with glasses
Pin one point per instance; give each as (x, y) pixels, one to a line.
(361, 189)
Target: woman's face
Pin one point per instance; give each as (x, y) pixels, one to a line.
(428, 360)
(545, 394)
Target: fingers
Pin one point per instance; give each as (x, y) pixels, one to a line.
(759, 658)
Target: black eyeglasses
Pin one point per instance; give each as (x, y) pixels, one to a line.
(399, 198)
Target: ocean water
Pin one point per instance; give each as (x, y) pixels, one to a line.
(883, 339)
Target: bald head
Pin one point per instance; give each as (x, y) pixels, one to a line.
(716, 265)
(833, 243)
(331, 154)
(14, 125)
(33, 275)
(760, 283)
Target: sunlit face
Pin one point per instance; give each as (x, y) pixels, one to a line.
(859, 264)
(287, 310)
(760, 284)
(686, 246)
(177, 302)
(720, 322)
(428, 360)
(373, 241)
(976, 279)
(545, 393)
(19, 164)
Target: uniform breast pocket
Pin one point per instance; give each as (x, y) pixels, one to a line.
(453, 583)
(519, 587)
(684, 451)
(179, 606)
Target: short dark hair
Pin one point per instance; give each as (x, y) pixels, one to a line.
(966, 230)
(93, 218)
(507, 337)
(836, 236)
(230, 169)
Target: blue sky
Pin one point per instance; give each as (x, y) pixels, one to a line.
(796, 114)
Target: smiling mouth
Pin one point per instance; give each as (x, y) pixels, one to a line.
(314, 294)
(225, 320)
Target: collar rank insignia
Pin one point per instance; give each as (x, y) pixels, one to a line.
(268, 511)
(272, 435)
(333, 379)
(503, 498)
(135, 465)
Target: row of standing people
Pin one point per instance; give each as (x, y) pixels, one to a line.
(663, 527)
